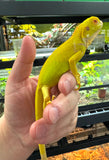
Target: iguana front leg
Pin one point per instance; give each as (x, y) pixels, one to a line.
(72, 62)
(46, 95)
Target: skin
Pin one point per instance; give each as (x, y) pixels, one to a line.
(18, 126)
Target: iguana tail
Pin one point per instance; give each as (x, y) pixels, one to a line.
(38, 115)
(38, 103)
(42, 150)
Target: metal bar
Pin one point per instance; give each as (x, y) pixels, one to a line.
(10, 20)
(50, 19)
(1, 100)
(2, 21)
(52, 151)
(93, 106)
(47, 12)
(46, 20)
(93, 113)
(93, 117)
(9, 64)
(2, 42)
(53, 9)
(97, 56)
(6, 64)
(94, 87)
(40, 62)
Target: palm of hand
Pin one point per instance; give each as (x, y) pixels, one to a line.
(19, 106)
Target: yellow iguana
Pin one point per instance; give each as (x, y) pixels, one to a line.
(63, 59)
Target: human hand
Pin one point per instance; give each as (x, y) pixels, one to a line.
(59, 117)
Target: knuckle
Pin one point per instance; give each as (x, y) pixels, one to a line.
(58, 105)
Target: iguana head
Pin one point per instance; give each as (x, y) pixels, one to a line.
(90, 28)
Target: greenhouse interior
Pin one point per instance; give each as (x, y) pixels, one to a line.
(50, 24)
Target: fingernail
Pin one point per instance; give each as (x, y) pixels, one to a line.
(53, 115)
(40, 131)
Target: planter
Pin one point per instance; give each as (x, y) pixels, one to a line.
(102, 92)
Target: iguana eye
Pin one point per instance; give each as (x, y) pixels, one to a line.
(87, 28)
(95, 21)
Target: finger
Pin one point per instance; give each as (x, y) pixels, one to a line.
(64, 131)
(54, 91)
(45, 133)
(64, 126)
(66, 83)
(38, 130)
(67, 121)
(56, 134)
(24, 62)
(61, 106)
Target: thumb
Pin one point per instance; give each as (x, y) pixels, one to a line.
(23, 64)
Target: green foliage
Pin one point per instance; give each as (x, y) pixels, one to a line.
(94, 73)
(91, 72)
(105, 29)
(43, 28)
(2, 86)
(89, 93)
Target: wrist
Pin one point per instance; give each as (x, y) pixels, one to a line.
(11, 146)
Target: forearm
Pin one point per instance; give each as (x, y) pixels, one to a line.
(10, 145)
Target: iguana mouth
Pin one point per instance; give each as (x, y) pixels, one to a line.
(101, 24)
